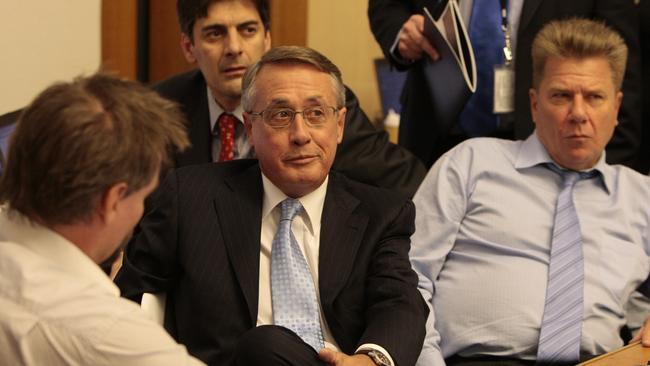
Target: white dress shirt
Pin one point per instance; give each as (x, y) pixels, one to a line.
(306, 229)
(481, 248)
(59, 308)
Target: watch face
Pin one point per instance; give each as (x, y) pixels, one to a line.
(378, 358)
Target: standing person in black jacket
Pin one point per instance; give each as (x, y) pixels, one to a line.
(281, 261)
(644, 38)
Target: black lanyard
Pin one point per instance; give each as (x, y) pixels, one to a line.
(507, 49)
(504, 14)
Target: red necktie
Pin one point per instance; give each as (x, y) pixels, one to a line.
(227, 136)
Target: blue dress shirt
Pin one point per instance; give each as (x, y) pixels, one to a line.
(482, 243)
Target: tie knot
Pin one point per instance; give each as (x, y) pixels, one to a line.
(289, 208)
(226, 121)
(570, 177)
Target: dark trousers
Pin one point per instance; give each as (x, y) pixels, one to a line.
(273, 345)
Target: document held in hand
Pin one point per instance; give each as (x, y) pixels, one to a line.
(451, 78)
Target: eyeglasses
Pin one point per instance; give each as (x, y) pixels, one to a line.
(282, 117)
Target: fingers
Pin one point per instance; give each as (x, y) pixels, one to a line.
(329, 356)
(412, 42)
(430, 50)
(643, 334)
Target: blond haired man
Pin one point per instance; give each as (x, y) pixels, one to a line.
(527, 251)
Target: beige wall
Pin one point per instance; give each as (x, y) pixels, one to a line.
(339, 29)
(45, 41)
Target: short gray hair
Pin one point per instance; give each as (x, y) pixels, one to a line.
(292, 55)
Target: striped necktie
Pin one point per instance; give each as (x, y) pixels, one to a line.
(561, 328)
(226, 123)
(295, 305)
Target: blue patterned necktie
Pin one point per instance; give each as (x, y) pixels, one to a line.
(295, 305)
(488, 40)
(561, 329)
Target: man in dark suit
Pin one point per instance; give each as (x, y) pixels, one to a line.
(222, 53)
(428, 139)
(213, 240)
(643, 8)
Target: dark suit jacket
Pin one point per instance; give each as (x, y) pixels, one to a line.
(365, 154)
(644, 35)
(201, 245)
(10, 118)
(421, 136)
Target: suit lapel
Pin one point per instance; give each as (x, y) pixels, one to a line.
(341, 232)
(527, 12)
(198, 120)
(239, 210)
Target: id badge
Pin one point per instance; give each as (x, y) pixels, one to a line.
(504, 89)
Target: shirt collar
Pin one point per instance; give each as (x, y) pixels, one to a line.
(532, 153)
(216, 110)
(51, 246)
(312, 202)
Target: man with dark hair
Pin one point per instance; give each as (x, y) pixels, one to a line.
(223, 38)
(529, 251)
(82, 160)
(189, 11)
(280, 260)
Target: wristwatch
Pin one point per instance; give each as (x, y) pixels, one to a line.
(377, 357)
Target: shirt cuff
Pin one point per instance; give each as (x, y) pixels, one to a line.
(375, 347)
(394, 52)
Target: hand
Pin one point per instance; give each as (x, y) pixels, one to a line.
(643, 334)
(412, 42)
(334, 358)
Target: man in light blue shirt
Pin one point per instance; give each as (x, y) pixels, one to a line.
(486, 214)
